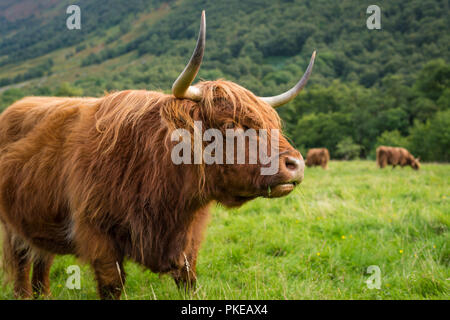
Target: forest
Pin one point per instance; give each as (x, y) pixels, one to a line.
(368, 88)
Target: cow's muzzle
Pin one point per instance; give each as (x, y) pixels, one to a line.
(292, 172)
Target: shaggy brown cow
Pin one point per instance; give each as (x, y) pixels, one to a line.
(318, 157)
(94, 177)
(396, 156)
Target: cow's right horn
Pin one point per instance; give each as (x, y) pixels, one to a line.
(182, 88)
(284, 98)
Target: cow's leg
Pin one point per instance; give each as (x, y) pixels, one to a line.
(110, 277)
(186, 277)
(18, 262)
(109, 272)
(40, 280)
(383, 161)
(105, 257)
(22, 285)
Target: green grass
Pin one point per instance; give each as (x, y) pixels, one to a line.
(316, 243)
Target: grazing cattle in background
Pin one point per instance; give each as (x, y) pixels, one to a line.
(94, 177)
(318, 157)
(396, 156)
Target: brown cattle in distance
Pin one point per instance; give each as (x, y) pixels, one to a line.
(396, 156)
(318, 157)
(94, 177)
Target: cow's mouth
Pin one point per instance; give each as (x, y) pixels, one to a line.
(274, 191)
(281, 190)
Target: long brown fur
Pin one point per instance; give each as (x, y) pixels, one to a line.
(396, 156)
(94, 177)
(318, 157)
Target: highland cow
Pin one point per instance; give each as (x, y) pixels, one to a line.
(396, 156)
(318, 157)
(93, 177)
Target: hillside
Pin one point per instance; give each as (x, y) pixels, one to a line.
(368, 87)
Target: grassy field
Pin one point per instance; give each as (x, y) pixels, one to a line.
(316, 243)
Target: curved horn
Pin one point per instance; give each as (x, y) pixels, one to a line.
(284, 98)
(182, 88)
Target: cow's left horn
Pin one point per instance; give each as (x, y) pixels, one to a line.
(284, 98)
(182, 88)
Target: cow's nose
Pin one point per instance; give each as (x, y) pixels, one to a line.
(295, 166)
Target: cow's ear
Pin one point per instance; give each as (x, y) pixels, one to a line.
(418, 159)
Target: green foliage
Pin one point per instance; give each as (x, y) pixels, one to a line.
(35, 72)
(10, 96)
(434, 79)
(347, 149)
(42, 33)
(321, 130)
(431, 140)
(393, 139)
(66, 90)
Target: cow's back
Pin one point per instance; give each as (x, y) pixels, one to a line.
(18, 120)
